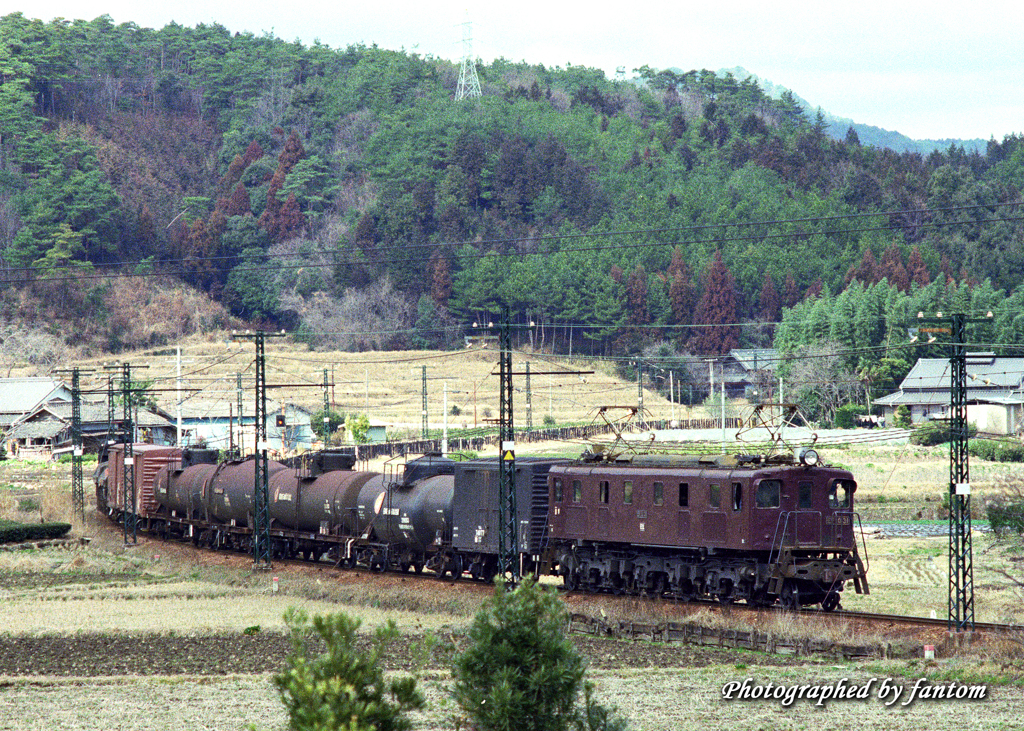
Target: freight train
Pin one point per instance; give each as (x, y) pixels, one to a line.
(730, 527)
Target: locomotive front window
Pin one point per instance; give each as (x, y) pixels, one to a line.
(805, 495)
(659, 493)
(627, 492)
(577, 491)
(737, 496)
(604, 485)
(558, 490)
(714, 496)
(768, 494)
(684, 494)
(839, 495)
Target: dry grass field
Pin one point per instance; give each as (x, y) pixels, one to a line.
(388, 386)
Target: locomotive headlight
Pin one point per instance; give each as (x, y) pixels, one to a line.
(808, 457)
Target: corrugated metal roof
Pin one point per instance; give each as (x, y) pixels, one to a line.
(21, 395)
(756, 358)
(1000, 373)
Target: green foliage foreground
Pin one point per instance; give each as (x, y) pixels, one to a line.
(344, 687)
(521, 671)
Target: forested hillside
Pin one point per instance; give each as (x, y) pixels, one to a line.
(345, 195)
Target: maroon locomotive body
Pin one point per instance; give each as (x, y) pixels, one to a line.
(727, 527)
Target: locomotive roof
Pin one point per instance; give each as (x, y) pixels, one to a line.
(694, 461)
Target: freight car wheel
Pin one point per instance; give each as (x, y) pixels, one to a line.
(790, 596)
(831, 601)
(454, 566)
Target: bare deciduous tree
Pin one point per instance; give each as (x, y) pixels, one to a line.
(820, 381)
(20, 346)
(376, 317)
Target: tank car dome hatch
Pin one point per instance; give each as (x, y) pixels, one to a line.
(191, 457)
(429, 465)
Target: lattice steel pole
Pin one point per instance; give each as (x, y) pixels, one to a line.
(426, 429)
(261, 497)
(961, 567)
(327, 412)
(241, 423)
(529, 400)
(261, 547)
(640, 392)
(110, 409)
(127, 436)
(961, 559)
(508, 516)
(77, 489)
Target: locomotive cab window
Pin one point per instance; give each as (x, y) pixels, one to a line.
(714, 496)
(839, 494)
(659, 493)
(737, 496)
(684, 494)
(604, 490)
(627, 492)
(768, 494)
(577, 491)
(806, 489)
(558, 490)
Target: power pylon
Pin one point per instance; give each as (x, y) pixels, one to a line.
(469, 82)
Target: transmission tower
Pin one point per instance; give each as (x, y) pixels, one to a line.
(469, 82)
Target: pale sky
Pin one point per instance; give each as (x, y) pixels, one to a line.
(928, 70)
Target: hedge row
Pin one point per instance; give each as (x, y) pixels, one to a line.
(19, 532)
(996, 451)
(931, 433)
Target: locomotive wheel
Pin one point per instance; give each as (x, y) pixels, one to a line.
(831, 601)
(571, 580)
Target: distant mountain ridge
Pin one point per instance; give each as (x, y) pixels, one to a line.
(868, 134)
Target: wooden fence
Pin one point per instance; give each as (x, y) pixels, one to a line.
(695, 634)
(564, 433)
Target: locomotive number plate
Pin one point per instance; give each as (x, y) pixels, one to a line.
(839, 520)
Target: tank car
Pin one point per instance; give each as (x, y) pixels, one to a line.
(726, 527)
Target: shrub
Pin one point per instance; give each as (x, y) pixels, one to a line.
(996, 451)
(549, 420)
(343, 688)
(844, 418)
(1006, 517)
(902, 418)
(931, 433)
(522, 672)
(18, 532)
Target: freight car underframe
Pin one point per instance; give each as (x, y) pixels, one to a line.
(345, 551)
(794, 576)
(285, 543)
